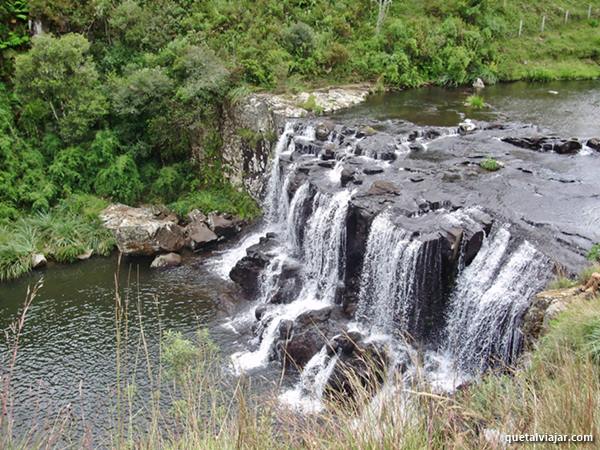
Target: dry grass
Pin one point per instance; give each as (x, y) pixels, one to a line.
(555, 391)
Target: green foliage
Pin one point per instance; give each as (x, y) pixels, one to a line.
(562, 282)
(120, 181)
(490, 164)
(183, 358)
(13, 33)
(594, 253)
(60, 87)
(224, 199)
(475, 102)
(61, 234)
(299, 39)
(170, 183)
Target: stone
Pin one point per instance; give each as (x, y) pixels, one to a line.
(594, 143)
(85, 255)
(247, 271)
(224, 225)
(168, 260)
(323, 129)
(372, 170)
(466, 127)
(38, 261)
(346, 176)
(199, 235)
(478, 84)
(143, 230)
(382, 187)
(546, 144)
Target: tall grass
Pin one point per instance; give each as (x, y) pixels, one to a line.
(61, 234)
(191, 403)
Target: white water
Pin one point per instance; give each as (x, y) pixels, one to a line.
(490, 298)
(388, 292)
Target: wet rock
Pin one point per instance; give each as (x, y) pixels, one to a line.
(225, 303)
(196, 215)
(346, 176)
(594, 143)
(38, 261)
(326, 164)
(379, 146)
(168, 260)
(304, 337)
(361, 366)
(260, 311)
(417, 147)
(289, 283)
(247, 271)
(143, 230)
(546, 144)
(382, 187)
(328, 153)
(199, 235)
(323, 129)
(224, 225)
(466, 127)
(372, 170)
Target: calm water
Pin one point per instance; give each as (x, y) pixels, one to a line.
(573, 109)
(67, 354)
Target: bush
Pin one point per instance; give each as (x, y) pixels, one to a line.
(299, 40)
(225, 199)
(169, 184)
(120, 181)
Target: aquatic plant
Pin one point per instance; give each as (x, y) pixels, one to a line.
(491, 165)
(475, 101)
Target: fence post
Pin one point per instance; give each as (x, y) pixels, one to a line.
(520, 27)
(543, 23)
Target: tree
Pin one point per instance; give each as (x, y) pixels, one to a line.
(58, 83)
(384, 6)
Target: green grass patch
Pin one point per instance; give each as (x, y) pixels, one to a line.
(311, 105)
(475, 102)
(594, 253)
(491, 165)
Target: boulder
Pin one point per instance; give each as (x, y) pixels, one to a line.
(38, 261)
(382, 187)
(478, 84)
(199, 235)
(323, 129)
(346, 176)
(168, 260)
(300, 339)
(466, 127)
(224, 225)
(143, 230)
(247, 271)
(372, 170)
(594, 143)
(85, 255)
(546, 144)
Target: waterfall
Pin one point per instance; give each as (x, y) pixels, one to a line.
(307, 395)
(275, 184)
(491, 296)
(388, 291)
(322, 267)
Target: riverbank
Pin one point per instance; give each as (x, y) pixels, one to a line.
(198, 410)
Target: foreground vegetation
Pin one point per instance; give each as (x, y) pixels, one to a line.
(555, 390)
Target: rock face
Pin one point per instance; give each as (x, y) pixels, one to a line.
(168, 260)
(143, 230)
(251, 126)
(247, 271)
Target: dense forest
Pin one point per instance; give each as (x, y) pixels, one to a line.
(120, 100)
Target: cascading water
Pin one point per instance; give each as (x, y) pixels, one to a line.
(387, 298)
(490, 299)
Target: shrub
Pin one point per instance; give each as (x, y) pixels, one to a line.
(120, 181)
(310, 104)
(490, 164)
(169, 184)
(299, 39)
(72, 170)
(224, 199)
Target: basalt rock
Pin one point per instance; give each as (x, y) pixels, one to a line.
(594, 143)
(546, 144)
(224, 225)
(304, 337)
(246, 272)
